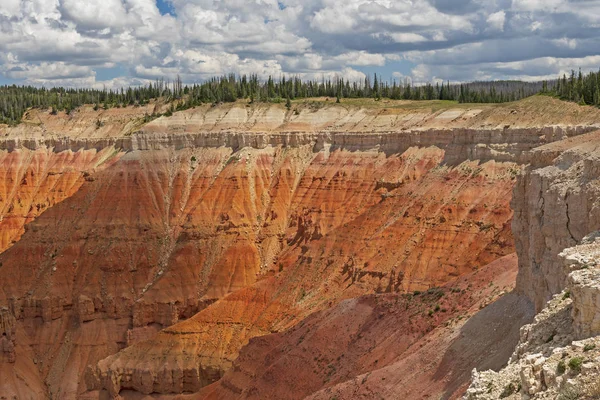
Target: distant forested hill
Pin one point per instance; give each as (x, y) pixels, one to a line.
(15, 100)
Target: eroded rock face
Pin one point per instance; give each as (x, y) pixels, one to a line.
(214, 227)
(367, 241)
(154, 237)
(533, 364)
(551, 360)
(384, 346)
(8, 332)
(583, 285)
(33, 181)
(556, 204)
(556, 367)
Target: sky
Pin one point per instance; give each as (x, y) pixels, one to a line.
(116, 43)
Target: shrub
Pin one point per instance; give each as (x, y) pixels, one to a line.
(589, 347)
(508, 390)
(575, 364)
(561, 368)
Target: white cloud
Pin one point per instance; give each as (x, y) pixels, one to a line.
(46, 71)
(361, 58)
(496, 20)
(401, 37)
(54, 40)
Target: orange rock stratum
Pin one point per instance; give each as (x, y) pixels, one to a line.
(327, 247)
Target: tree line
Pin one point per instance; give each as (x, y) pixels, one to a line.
(577, 87)
(15, 100)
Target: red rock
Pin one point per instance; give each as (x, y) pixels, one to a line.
(217, 237)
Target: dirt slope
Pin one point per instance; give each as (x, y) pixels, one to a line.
(381, 346)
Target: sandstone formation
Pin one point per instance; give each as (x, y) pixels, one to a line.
(164, 248)
(8, 329)
(343, 252)
(555, 208)
(33, 181)
(548, 362)
(386, 346)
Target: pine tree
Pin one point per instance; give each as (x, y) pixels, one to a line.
(376, 91)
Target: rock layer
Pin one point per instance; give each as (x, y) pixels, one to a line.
(556, 206)
(368, 240)
(385, 346)
(222, 224)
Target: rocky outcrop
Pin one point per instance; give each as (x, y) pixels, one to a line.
(8, 331)
(557, 356)
(583, 285)
(490, 132)
(504, 145)
(548, 362)
(556, 204)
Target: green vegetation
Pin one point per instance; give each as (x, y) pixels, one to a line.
(578, 88)
(561, 368)
(508, 390)
(589, 347)
(16, 100)
(575, 364)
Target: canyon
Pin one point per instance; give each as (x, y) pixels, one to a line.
(361, 250)
(556, 226)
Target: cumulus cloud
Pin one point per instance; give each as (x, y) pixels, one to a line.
(66, 42)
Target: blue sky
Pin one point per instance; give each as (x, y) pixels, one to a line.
(115, 43)
(165, 7)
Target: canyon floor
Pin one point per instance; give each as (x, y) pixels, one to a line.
(329, 251)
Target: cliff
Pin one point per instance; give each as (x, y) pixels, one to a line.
(555, 227)
(556, 206)
(557, 355)
(164, 248)
(506, 132)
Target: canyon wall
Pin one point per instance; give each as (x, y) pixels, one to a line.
(164, 248)
(556, 204)
(503, 144)
(556, 222)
